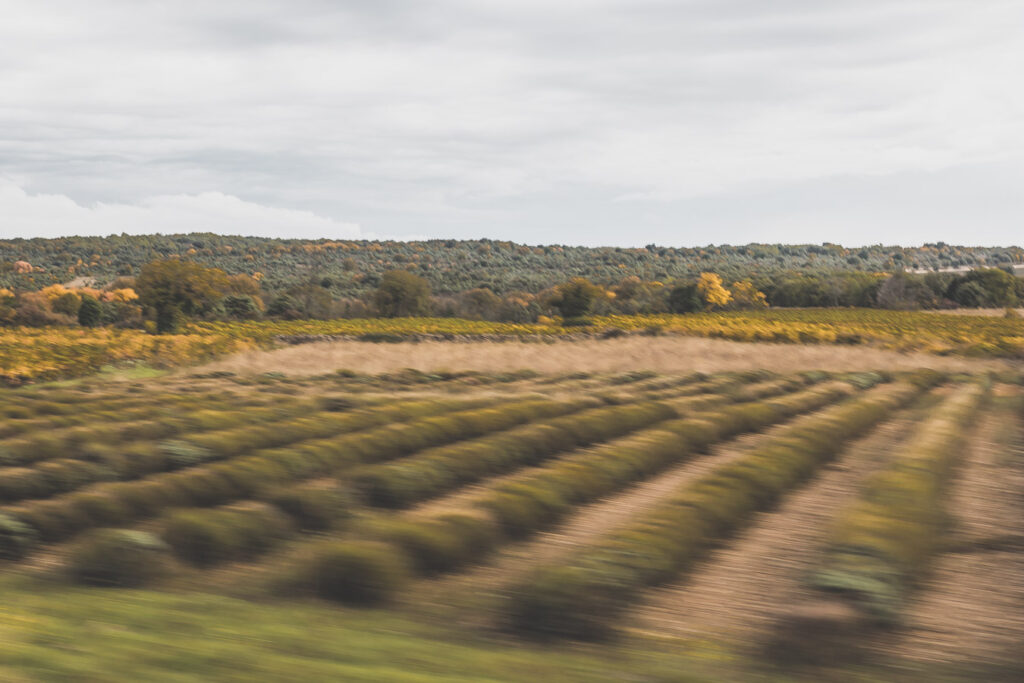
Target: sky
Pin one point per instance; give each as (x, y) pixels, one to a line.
(590, 122)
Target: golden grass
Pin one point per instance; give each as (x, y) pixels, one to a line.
(669, 354)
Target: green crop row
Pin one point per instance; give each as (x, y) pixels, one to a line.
(441, 469)
(306, 506)
(114, 504)
(443, 542)
(82, 441)
(882, 543)
(120, 462)
(579, 597)
(518, 508)
(74, 407)
(91, 411)
(208, 537)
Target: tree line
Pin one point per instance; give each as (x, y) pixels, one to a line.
(169, 292)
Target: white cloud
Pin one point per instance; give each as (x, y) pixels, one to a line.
(51, 215)
(410, 116)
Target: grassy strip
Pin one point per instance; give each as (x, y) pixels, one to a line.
(581, 596)
(882, 544)
(442, 469)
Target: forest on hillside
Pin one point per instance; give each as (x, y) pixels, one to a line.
(354, 268)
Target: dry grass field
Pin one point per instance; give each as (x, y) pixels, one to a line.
(667, 354)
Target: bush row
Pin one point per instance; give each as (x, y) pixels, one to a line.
(882, 543)
(579, 597)
(313, 509)
(117, 503)
(434, 471)
(138, 459)
(444, 542)
(716, 384)
(91, 413)
(25, 411)
(208, 537)
(91, 441)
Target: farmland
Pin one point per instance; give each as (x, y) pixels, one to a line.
(34, 354)
(672, 525)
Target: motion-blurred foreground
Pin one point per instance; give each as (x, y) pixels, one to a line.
(474, 525)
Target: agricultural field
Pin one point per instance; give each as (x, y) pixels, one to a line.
(743, 524)
(35, 354)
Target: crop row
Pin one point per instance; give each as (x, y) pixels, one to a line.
(462, 462)
(118, 462)
(503, 449)
(579, 596)
(441, 469)
(86, 441)
(446, 541)
(543, 497)
(882, 543)
(117, 503)
(92, 411)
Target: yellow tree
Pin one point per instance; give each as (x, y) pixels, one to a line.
(715, 295)
(745, 295)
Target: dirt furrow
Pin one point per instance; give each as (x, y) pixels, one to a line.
(971, 609)
(745, 585)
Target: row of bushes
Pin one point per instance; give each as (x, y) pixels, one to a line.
(114, 462)
(90, 440)
(395, 546)
(95, 411)
(208, 537)
(22, 404)
(882, 543)
(441, 469)
(314, 509)
(579, 596)
(716, 384)
(117, 503)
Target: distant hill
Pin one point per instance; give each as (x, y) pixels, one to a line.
(350, 268)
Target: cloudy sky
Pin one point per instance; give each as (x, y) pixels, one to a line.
(597, 122)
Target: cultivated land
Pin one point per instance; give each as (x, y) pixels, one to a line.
(298, 515)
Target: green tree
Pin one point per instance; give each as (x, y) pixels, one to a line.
(685, 298)
(400, 293)
(174, 289)
(576, 296)
(89, 312)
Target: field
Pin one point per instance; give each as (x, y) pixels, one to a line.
(34, 354)
(664, 524)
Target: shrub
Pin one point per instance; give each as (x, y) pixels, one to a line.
(313, 509)
(117, 557)
(358, 572)
(16, 538)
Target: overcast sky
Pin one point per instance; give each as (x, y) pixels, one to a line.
(597, 122)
